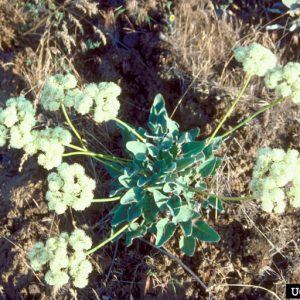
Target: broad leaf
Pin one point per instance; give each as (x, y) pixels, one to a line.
(208, 168)
(138, 149)
(165, 230)
(133, 195)
(186, 227)
(187, 245)
(134, 231)
(134, 211)
(120, 214)
(214, 203)
(174, 204)
(193, 148)
(203, 232)
(184, 163)
(158, 116)
(159, 198)
(185, 214)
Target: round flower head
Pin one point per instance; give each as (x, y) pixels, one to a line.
(17, 121)
(85, 101)
(69, 186)
(273, 171)
(285, 80)
(38, 256)
(256, 59)
(55, 90)
(56, 278)
(50, 142)
(63, 264)
(107, 103)
(3, 135)
(80, 241)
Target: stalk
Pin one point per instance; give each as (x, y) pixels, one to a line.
(103, 200)
(109, 239)
(72, 126)
(250, 118)
(230, 110)
(130, 129)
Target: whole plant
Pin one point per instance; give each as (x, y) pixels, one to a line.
(160, 187)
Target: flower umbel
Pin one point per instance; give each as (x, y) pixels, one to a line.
(63, 263)
(69, 186)
(256, 59)
(273, 170)
(285, 80)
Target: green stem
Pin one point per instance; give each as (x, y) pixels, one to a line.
(130, 129)
(72, 126)
(225, 198)
(228, 198)
(109, 239)
(230, 110)
(75, 147)
(250, 118)
(106, 200)
(95, 156)
(102, 156)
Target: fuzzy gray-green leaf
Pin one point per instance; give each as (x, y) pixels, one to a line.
(187, 245)
(165, 230)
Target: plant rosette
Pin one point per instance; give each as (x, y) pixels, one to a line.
(160, 185)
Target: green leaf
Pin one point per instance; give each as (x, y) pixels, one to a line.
(187, 245)
(203, 232)
(174, 204)
(132, 195)
(153, 150)
(214, 203)
(185, 214)
(143, 180)
(134, 231)
(165, 231)
(186, 227)
(120, 214)
(193, 148)
(159, 198)
(184, 163)
(150, 210)
(134, 211)
(208, 167)
(138, 149)
(158, 116)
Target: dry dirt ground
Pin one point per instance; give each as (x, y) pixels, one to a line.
(190, 59)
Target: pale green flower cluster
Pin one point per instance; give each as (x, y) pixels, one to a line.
(102, 97)
(63, 264)
(69, 186)
(16, 122)
(55, 90)
(285, 80)
(256, 59)
(274, 171)
(294, 191)
(49, 143)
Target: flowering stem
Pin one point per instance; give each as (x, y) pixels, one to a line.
(106, 200)
(72, 126)
(225, 198)
(130, 129)
(102, 156)
(263, 109)
(230, 110)
(75, 147)
(96, 156)
(109, 239)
